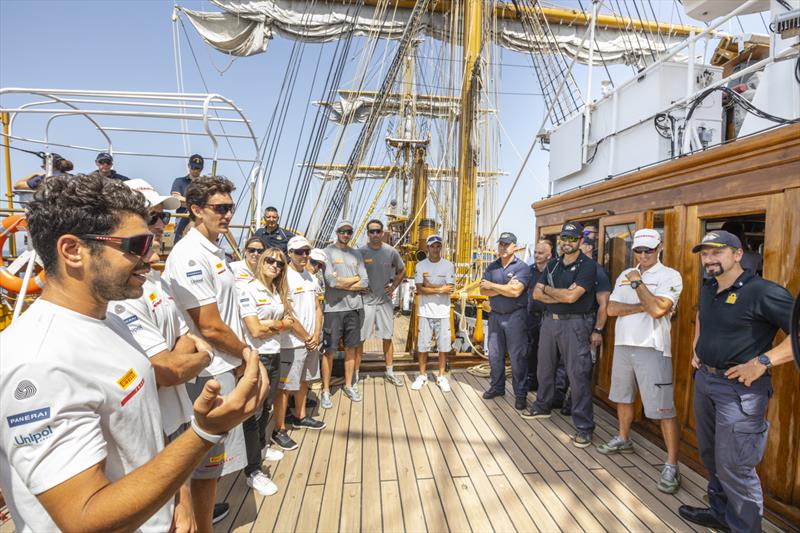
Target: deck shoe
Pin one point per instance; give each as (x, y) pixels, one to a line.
(270, 454)
(443, 383)
(352, 393)
(582, 439)
(616, 445)
(534, 412)
(308, 423)
(283, 440)
(325, 400)
(488, 395)
(670, 480)
(394, 379)
(420, 382)
(702, 516)
(520, 403)
(221, 510)
(259, 482)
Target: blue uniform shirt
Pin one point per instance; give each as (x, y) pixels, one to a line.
(497, 274)
(179, 186)
(534, 306)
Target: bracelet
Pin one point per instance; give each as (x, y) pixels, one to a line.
(598, 331)
(208, 437)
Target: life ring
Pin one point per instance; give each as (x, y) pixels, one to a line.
(9, 281)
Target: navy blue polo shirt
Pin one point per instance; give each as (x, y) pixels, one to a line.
(740, 322)
(534, 306)
(277, 238)
(582, 272)
(497, 274)
(179, 186)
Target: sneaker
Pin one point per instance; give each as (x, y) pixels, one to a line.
(325, 400)
(419, 382)
(535, 412)
(291, 419)
(221, 510)
(443, 383)
(582, 439)
(616, 445)
(308, 423)
(259, 482)
(355, 387)
(268, 453)
(352, 393)
(520, 403)
(670, 480)
(283, 440)
(394, 379)
(488, 395)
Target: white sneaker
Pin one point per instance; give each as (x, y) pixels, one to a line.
(259, 482)
(268, 453)
(419, 382)
(443, 383)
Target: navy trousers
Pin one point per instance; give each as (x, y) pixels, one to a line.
(731, 438)
(507, 334)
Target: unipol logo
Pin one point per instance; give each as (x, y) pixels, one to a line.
(25, 389)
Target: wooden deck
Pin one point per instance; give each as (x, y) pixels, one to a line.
(403, 460)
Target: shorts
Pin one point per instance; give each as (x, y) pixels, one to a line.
(297, 365)
(428, 327)
(651, 371)
(230, 455)
(379, 317)
(342, 325)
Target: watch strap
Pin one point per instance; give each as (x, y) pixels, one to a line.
(208, 437)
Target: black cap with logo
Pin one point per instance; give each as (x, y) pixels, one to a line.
(572, 229)
(507, 238)
(718, 239)
(196, 162)
(104, 156)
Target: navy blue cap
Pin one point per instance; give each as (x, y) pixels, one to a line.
(196, 162)
(718, 239)
(103, 156)
(572, 229)
(507, 238)
(433, 239)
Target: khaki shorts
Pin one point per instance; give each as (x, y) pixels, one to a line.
(229, 456)
(430, 327)
(297, 365)
(651, 371)
(379, 318)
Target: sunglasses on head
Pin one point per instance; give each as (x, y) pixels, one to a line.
(301, 251)
(276, 262)
(647, 251)
(345, 232)
(155, 217)
(257, 251)
(375, 231)
(136, 245)
(221, 209)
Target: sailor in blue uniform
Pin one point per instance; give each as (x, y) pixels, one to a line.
(739, 315)
(505, 282)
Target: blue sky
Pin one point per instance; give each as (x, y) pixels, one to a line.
(127, 45)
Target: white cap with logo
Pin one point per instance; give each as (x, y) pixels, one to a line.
(647, 238)
(298, 242)
(318, 255)
(152, 197)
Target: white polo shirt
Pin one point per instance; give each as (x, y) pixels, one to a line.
(156, 324)
(198, 274)
(304, 293)
(241, 272)
(439, 273)
(74, 391)
(265, 305)
(641, 329)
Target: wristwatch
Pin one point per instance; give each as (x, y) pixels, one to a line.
(208, 437)
(598, 331)
(764, 360)
(635, 284)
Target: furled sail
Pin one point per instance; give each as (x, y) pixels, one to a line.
(245, 28)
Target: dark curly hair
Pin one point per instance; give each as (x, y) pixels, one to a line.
(76, 205)
(203, 188)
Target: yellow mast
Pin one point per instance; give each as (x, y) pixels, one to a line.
(467, 164)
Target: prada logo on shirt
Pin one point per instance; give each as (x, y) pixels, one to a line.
(132, 393)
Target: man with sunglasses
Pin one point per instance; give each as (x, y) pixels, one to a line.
(179, 186)
(567, 288)
(202, 284)
(643, 300)
(104, 162)
(386, 271)
(272, 235)
(345, 280)
(82, 444)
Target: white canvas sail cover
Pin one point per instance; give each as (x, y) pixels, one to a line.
(245, 27)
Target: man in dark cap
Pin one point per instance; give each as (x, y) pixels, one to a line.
(179, 187)
(272, 235)
(567, 288)
(738, 317)
(505, 282)
(104, 162)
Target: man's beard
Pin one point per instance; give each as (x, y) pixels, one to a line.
(111, 286)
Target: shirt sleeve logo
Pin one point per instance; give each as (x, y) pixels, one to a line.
(126, 380)
(20, 419)
(25, 389)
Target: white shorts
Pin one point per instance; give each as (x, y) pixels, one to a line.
(652, 372)
(229, 456)
(430, 328)
(379, 318)
(297, 365)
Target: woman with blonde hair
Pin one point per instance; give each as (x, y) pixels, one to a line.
(266, 314)
(244, 269)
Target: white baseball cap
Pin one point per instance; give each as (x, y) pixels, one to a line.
(153, 198)
(344, 224)
(318, 255)
(648, 238)
(298, 242)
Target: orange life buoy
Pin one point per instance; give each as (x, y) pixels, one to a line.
(9, 281)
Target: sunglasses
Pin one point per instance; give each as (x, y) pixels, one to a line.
(315, 263)
(375, 231)
(301, 251)
(155, 217)
(257, 251)
(105, 162)
(276, 262)
(136, 245)
(647, 251)
(566, 238)
(345, 232)
(221, 209)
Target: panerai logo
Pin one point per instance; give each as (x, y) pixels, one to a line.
(20, 419)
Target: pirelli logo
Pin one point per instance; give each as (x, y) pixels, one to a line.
(126, 380)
